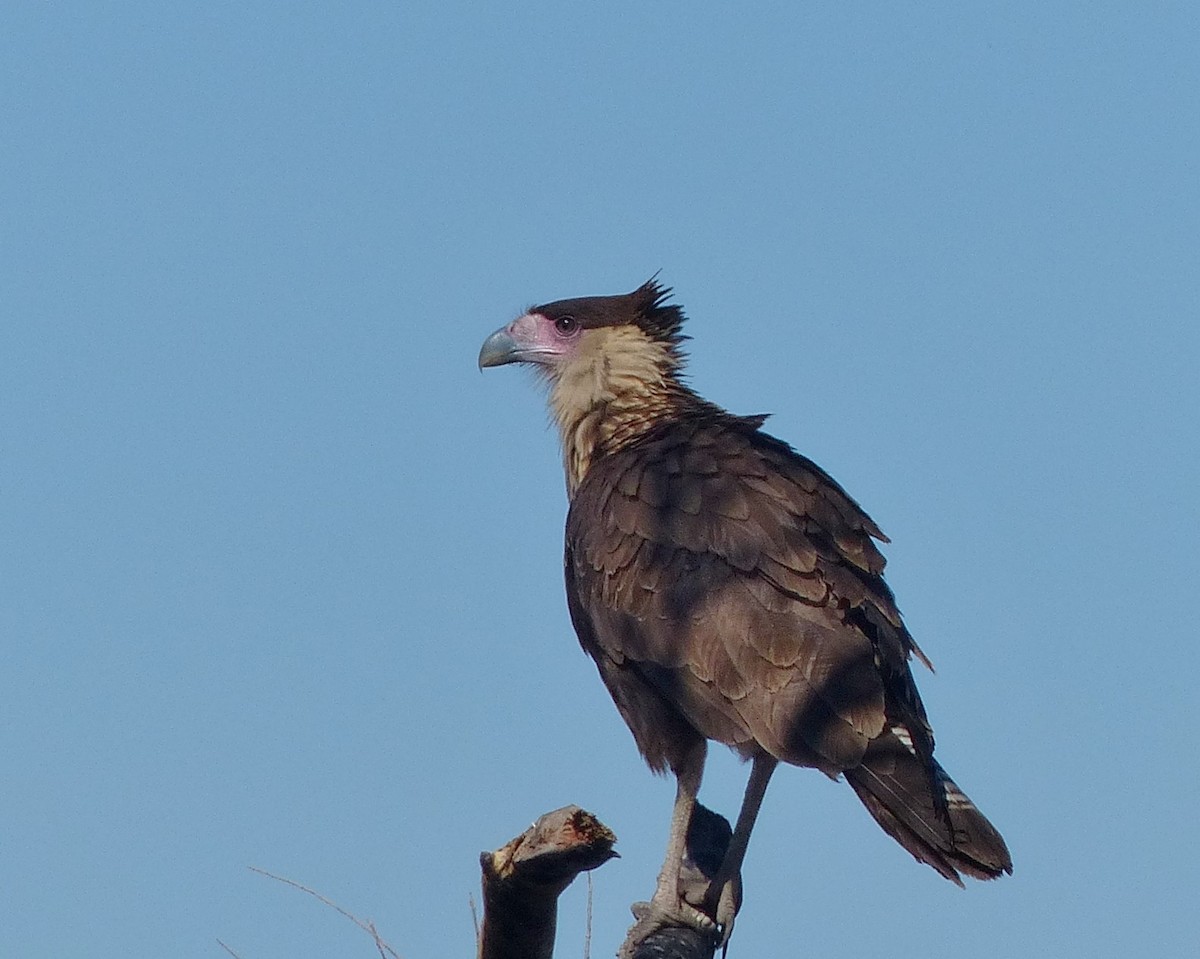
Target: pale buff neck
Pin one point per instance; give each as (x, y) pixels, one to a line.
(618, 386)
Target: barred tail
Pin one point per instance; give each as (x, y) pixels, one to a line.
(925, 811)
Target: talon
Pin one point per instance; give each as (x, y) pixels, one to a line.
(724, 931)
(727, 906)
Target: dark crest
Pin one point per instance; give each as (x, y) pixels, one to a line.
(646, 308)
(658, 319)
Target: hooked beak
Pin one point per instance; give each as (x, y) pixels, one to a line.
(499, 349)
(522, 341)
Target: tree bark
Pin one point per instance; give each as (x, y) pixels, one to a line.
(675, 942)
(523, 879)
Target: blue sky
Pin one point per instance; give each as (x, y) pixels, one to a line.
(281, 570)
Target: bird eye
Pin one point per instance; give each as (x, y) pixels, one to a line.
(566, 325)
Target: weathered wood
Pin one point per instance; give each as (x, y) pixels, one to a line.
(675, 942)
(523, 879)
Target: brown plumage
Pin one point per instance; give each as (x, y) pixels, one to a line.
(728, 588)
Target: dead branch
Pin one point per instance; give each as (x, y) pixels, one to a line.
(523, 879)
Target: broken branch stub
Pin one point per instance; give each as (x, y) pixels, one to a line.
(523, 879)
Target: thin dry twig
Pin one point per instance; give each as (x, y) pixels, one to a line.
(587, 927)
(228, 950)
(381, 944)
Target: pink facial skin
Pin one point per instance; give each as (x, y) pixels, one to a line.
(530, 338)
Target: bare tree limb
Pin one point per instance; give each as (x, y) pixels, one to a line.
(523, 879)
(675, 942)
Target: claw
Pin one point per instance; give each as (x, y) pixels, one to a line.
(727, 907)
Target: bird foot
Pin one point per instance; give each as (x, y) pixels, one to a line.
(655, 916)
(681, 914)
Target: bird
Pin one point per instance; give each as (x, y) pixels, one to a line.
(728, 589)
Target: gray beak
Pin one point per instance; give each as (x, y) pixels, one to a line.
(499, 349)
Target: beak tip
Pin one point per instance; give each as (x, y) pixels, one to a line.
(497, 350)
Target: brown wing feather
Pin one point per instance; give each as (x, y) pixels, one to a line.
(740, 582)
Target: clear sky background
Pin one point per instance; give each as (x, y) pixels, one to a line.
(280, 571)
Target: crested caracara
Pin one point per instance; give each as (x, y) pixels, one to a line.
(727, 588)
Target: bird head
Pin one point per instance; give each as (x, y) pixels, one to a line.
(577, 333)
(612, 364)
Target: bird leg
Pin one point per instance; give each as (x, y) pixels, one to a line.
(724, 892)
(668, 907)
(666, 890)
